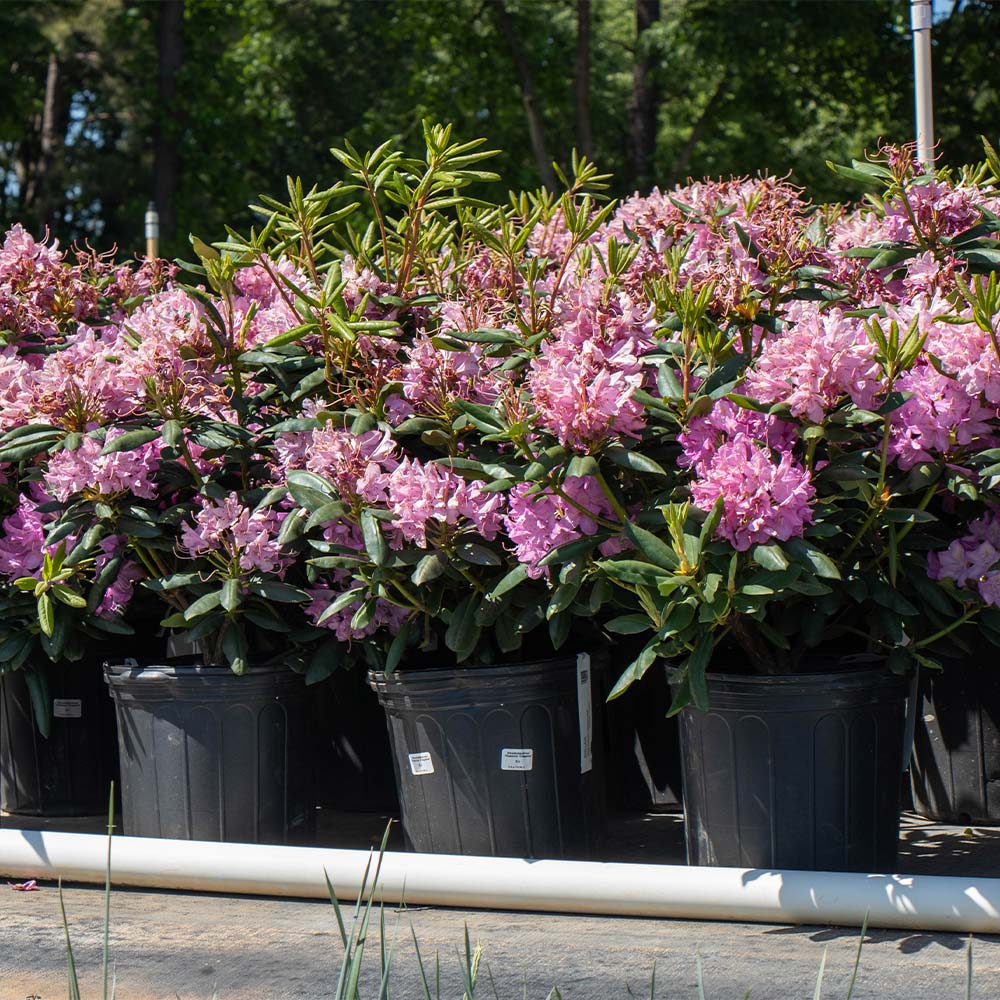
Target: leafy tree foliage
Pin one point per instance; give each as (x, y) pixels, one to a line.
(262, 88)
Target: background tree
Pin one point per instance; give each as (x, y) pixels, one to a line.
(203, 104)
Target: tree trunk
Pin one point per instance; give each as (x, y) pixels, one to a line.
(581, 82)
(166, 154)
(532, 109)
(41, 196)
(644, 102)
(697, 130)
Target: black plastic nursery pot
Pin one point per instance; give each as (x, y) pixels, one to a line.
(955, 768)
(497, 761)
(68, 773)
(209, 755)
(795, 772)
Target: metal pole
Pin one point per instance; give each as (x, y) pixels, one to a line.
(152, 231)
(920, 21)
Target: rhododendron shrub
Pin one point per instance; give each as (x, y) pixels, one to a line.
(718, 421)
(838, 427)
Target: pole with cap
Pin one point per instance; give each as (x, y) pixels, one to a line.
(921, 19)
(152, 231)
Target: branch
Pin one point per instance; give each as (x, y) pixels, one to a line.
(536, 128)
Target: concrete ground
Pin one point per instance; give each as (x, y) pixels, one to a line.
(187, 945)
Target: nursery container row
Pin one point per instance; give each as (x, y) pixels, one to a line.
(520, 468)
(802, 772)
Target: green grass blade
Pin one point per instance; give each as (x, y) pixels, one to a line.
(818, 992)
(468, 972)
(336, 908)
(857, 957)
(652, 982)
(493, 984)
(420, 965)
(700, 977)
(73, 982)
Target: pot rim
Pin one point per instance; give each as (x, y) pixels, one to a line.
(431, 674)
(187, 670)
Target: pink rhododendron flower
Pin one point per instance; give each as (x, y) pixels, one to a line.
(387, 616)
(117, 597)
(725, 421)
(972, 561)
(87, 471)
(22, 543)
(763, 500)
(538, 521)
(357, 464)
(938, 417)
(236, 533)
(430, 494)
(582, 382)
(822, 358)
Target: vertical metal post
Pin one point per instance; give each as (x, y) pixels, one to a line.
(920, 21)
(152, 231)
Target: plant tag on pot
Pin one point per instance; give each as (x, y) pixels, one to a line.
(585, 708)
(67, 708)
(421, 763)
(516, 760)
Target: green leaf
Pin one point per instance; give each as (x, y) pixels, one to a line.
(38, 692)
(769, 557)
(806, 553)
(342, 601)
(571, 551)
(131, 439)
(680, 616)
(46, 615)
(231, 596)
(653, 548)
(562, 597)
(234, 647)
(477, 554)
(697, 666)
(633, 571)
(375, 544)
(634, 460)
(629, 624)
(203, 605)
(892, 599)
(283, 593)
(463, 632)
(516, 576)
(429, 568)
(582, 466)
(68, 597)
(636, 669)
(398, 647)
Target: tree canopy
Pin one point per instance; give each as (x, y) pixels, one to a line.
(204, 104)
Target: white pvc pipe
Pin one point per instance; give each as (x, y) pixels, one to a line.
(921, 19)
(921, 902)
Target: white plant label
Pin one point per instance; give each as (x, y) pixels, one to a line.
(67, 708)
(516, 760)
(421, 763)
(585, 707)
